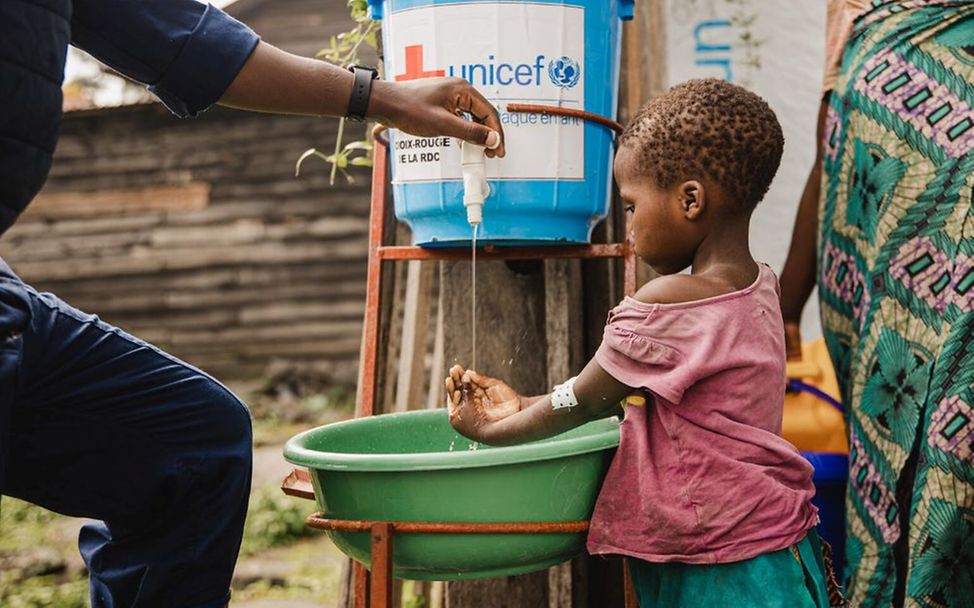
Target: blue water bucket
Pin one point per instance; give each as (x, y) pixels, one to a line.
(554, 184)
(830, 477)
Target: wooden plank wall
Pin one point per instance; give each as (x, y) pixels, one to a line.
(195, 235)
(298, 26)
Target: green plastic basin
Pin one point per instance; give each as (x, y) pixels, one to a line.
(415, 467)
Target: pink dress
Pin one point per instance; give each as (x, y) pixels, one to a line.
(702, 474)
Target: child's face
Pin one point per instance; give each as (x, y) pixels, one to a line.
(664, 236)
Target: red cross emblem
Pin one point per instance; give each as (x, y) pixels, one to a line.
(414, 65)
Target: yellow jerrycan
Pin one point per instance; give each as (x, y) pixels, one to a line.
(813, 420)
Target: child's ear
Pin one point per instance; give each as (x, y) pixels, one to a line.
(692, 199)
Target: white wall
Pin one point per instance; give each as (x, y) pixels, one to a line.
(775, 48)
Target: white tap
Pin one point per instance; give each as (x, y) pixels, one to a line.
(473, 165)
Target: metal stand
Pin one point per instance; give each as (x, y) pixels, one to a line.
(380, 578)
(375, 589)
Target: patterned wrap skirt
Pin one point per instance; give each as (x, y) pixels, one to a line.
(896, 284)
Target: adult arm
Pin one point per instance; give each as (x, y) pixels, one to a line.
(275, 81)
(193, 55)
(798, 275)
(186, 52)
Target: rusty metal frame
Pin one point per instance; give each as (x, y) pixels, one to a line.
(375, 590)
(378, 584)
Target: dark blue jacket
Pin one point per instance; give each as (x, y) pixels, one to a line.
(188, 53)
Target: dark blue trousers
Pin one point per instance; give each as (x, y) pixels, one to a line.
(96, 423)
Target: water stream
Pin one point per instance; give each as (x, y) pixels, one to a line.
(473, 299)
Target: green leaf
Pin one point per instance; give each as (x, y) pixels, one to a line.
(359, 145)
(308, 153)
(358, 8)
(343, 50)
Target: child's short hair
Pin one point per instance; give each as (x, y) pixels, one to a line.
(711, 128)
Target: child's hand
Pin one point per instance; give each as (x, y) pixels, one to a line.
(478, 401)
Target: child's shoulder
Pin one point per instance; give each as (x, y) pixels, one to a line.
(681, 288)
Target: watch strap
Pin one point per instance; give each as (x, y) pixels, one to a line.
(358, 103)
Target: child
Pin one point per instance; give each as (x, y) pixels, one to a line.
(711, 506)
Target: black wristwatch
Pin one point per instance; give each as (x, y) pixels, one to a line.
(358, 104)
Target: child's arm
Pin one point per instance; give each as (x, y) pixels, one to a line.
(487, 410)
(479, 407)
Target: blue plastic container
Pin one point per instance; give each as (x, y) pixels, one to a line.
(830, 477)
(554, 184)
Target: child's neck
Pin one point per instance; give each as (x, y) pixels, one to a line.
(726, 253)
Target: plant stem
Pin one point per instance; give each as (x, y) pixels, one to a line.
(353, 54)
(338, 149)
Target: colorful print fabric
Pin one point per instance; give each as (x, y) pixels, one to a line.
(896, 283)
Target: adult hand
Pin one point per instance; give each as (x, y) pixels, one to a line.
(434, 106)
(275, 81)
(476, 402)
(793, 341)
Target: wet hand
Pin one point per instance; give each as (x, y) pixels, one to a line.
(434, 106)
(476, 402)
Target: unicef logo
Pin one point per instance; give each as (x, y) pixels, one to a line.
(564, 72)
